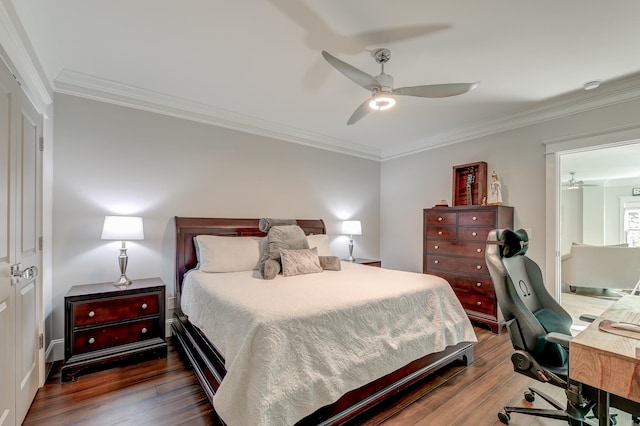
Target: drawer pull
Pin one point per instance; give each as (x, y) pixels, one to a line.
(440, 219)
(478, 267)
(439, 232)
(436, 261)
(144, 306)
(478, 284)
(478, 303)
(479, 250)
(475, 218)
(144, 330)
(474, 234)
(92, 314)
(92, 340)
(436, 247)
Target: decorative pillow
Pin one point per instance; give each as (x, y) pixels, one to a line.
(321, 241)
(280, 237)
(227, 254)
(330, 263)
(299, 262)
(267, 223)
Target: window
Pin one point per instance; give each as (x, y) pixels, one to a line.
(631, 222)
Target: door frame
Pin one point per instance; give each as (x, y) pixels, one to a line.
(554, 149)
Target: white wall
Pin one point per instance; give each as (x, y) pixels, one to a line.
(115, 160)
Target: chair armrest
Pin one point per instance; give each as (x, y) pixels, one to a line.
(588, 317)
(559, 338)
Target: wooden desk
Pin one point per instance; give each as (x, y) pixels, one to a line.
(607, 361)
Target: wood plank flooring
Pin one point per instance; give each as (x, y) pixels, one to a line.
(165, 392)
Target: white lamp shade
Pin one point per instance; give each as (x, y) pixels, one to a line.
(122, 228)
(351, 227)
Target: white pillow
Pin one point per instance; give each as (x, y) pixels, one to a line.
(227, 254)
(321, 241)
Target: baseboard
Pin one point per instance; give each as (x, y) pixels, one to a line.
(55, 351)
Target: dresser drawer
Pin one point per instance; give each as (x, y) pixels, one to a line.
(441, 218)
(116, 309)
(476, 218)
(472, 284)
(456, 264)
(442, 232)
(120, 334)
(474, 233)
(477, 302)
(456, 248)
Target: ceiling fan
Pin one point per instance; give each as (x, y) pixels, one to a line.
(573, 183)
(381, 86)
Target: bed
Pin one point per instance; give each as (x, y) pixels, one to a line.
(254, 366)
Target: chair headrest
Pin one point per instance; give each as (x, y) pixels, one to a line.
(514, 243)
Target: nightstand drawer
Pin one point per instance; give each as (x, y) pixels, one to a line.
(114, 335)
(116, 309)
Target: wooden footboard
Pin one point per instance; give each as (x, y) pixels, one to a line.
(208, 367)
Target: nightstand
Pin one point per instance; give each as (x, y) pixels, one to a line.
(104, 325)
(369, 262)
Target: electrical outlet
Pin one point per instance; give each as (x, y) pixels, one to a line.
(171, 303)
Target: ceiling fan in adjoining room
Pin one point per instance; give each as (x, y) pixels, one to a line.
(573, 183)
(381, 86)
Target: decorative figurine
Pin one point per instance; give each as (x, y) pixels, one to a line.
(495, 190)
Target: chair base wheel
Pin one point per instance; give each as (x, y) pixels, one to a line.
(504, 417)
(529, 396)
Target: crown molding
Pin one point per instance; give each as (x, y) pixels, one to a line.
(91, 87)
(14, 52)
(619, 91)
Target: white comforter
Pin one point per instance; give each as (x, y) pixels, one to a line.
(294, 344)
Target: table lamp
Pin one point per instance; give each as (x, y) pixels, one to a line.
(351, 228)
(122, 228)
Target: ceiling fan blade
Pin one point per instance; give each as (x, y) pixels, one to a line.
(359, 113)
(436, 90)
(361, 78)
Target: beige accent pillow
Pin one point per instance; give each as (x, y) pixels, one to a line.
(321, 241)
(299, 262)
(227, 254)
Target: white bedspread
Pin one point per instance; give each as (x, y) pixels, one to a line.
(294, 344)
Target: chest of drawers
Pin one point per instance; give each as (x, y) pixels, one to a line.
(104, 324)
(454, 248)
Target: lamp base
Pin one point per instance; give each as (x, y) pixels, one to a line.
(123, 282)
(349, 259)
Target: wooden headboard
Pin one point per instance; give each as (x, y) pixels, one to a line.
(189, 227)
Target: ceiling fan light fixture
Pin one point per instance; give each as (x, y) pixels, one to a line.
(382, 102)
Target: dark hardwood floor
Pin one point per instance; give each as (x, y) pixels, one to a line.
(165, 392)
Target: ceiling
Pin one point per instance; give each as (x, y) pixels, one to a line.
(257, 66)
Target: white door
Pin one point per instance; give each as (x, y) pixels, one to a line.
(21, 354)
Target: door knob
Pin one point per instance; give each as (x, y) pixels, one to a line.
(30, 272)
(18, 273)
